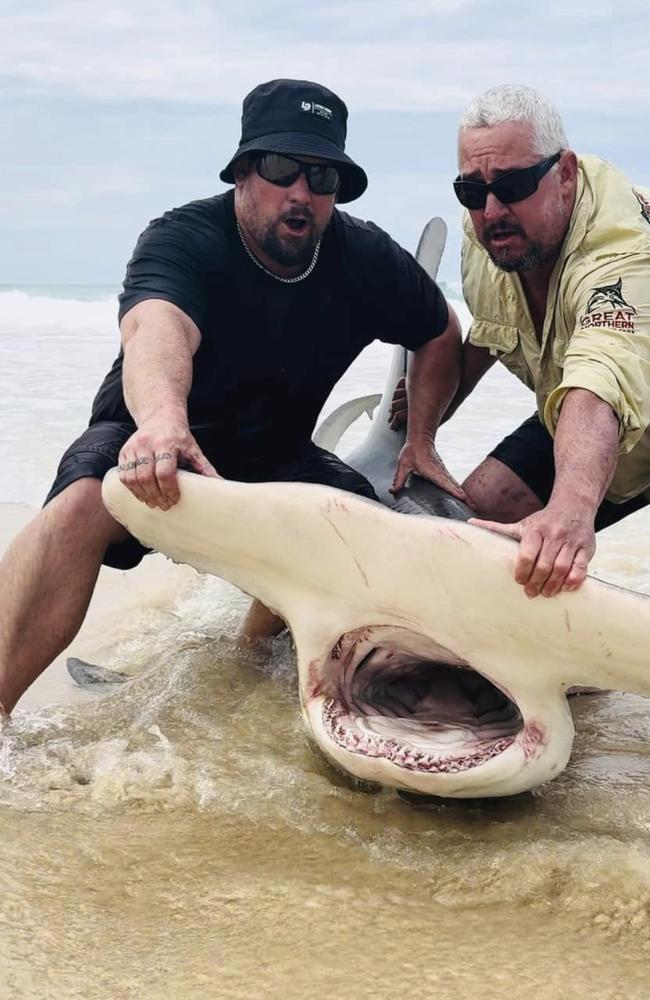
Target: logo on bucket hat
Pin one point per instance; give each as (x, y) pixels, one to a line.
(316, 109)
(298, 118)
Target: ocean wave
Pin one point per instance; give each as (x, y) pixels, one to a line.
(23, 311)
(52, 308)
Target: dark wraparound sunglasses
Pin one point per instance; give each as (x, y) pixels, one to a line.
(284, 171)
(513, 186)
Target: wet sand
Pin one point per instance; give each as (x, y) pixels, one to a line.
(188, 908)
(176, 837)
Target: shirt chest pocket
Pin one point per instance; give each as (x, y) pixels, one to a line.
(499, 338)
(502, 341)
(558, 350)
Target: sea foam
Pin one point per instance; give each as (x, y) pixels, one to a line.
(23, 311)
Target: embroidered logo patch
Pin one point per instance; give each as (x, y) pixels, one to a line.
(607, 308)
(312, 108)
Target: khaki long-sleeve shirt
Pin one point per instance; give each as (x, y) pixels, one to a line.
(596, 332)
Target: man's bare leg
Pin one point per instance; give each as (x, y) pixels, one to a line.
(259, 623)
(496, 493)
(46, 581)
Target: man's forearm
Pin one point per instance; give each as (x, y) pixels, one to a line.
(433, 377)
(157, 375)
(159, 343)
(432, 380)
(586, 450)
(157, 372)
(476, 361)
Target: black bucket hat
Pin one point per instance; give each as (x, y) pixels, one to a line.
(300, 119)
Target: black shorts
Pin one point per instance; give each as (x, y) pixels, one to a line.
(528, 452)
(98, 448)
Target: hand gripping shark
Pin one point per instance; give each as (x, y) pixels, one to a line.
(422, 664)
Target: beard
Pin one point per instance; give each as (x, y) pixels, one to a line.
(288, 250)
(533, 256)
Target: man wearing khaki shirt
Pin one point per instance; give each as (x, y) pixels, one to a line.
(556, 274)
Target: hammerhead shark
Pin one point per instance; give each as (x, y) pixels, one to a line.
(422, 664)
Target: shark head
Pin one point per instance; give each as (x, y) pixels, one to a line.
(422, 664)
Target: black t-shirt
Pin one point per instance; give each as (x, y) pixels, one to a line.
(271, 352)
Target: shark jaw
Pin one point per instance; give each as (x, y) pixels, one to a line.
(387, 704)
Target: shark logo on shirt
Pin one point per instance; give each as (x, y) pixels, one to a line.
(607, 308)
(608, 296)
(644, 203)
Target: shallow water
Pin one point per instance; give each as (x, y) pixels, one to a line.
(177, 837)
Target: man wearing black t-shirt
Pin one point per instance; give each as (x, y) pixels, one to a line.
(239, 314)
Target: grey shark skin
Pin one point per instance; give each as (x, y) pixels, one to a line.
(422, 664)
(86, 674)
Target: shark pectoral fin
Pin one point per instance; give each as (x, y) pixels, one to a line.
(331, 430)
(86, 674)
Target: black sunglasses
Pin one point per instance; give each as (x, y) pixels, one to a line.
(513, 186)
(284, 171)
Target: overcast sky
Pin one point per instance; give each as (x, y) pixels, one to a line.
(110, 114)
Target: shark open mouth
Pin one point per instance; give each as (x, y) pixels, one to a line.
(394, 694)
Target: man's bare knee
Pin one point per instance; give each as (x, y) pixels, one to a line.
(260, 623)
(497, 493)
(79, 511)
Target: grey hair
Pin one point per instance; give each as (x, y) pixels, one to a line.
(513, 103)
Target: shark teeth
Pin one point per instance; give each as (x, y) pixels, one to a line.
(343, 729)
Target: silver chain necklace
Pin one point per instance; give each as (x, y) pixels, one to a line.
(286, 281)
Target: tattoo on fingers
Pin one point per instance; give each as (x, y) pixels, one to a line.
(162, 456)
(127, 466)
